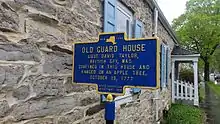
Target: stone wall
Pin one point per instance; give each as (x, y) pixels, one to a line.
(36, 63)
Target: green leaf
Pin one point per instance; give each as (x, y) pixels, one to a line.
(198, 29)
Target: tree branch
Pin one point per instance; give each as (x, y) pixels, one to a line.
(214, 48)
(202, 57)
(197, 44)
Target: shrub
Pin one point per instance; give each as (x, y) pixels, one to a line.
(185, 114)
(187, 75)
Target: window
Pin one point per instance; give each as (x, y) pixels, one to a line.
(168, 67)
(124, 19)
(118, 18)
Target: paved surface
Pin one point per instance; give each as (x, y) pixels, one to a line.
(212, 106)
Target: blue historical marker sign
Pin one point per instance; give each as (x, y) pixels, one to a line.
(114, 63)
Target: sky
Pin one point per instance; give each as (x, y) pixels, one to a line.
(172, 8)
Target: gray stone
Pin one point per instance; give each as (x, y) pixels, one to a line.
(137, 110)
(84, 7)
(89, 100)
(68, 17)
(84, 31)
(44, 107)
(4, 107)
(93, 30)
(34, 109)
(21, 93)
(41, 5)
(65, 3)
(3, 38)
(92, 87)
(41, 31)
(97, 6)
(80, 22)
(10, 76)
(22, 51)
(146, 94)
(6, 122)
(73, 87)
(63, 120)
(57, 63)
(76, 114)
(49, 86)
(72, 33)
(95, 109)
(97, 119)
(41, 121)
(9, 18)
(30, 79)
(44, 19)
(73, 115)
(76, 20)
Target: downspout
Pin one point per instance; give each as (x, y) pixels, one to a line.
(157, 91)
(155, 21)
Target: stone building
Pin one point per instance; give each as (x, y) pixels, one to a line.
(36, 60)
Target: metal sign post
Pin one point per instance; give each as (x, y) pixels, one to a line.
(110, 109)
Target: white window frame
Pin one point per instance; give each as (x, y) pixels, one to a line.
(122, 8)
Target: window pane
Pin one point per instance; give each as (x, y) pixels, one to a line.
(123, 20)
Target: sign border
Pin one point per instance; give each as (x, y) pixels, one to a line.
(127, 40)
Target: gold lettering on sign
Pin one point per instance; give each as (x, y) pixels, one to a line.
(113, 78)
(107, 55)
(82, 66)
(126, 78)
(126, 61)
(134, 48)
(98, 77)
(93, 56)
(144, 67)
(112, 66)
(92, 66)
(88, 71)
(106, 49)
(101, 72)
(127, 67)
(87, 50)
(120, 72)
(139, 73)
(101, 66)
(128, 55)
(108, 72)
(113, 61)
(95, 61)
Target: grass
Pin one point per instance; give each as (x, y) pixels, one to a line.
(184, 114)
(201, 93)
(215, 88)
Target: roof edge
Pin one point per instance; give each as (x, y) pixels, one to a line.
(153, 4)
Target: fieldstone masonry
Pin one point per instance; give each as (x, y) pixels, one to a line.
(36, 63)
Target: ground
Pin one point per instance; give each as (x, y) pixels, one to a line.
(212, 104)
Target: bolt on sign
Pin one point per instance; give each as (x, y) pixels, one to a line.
(114, 63)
